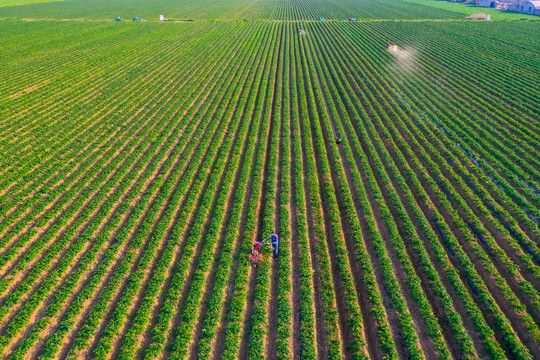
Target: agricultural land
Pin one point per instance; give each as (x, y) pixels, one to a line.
(391, 144)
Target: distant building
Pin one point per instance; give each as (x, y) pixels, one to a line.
(514, 6)
(528, 7)
(525, 7)
(496, 4)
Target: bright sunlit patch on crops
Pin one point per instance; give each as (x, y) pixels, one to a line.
(404, 59)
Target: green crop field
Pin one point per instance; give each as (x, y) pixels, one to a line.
(396, 157)
(4, 3)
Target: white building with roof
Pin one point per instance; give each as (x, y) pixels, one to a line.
(526, 7)
(529, 7)
(495, 4)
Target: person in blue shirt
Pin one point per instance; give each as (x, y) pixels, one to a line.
(275, 244)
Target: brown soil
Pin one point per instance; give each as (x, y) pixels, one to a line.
(28, 90)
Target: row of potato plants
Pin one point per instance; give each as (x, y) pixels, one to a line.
(478, 190)
(199, 241)
(506, 327)
(236, 305)
(329, 322)
(88, 180)
(491, 126)
(87, 230)
(413, 280)
(174, 142)
(315, 101)
(260, 324)
(284, 349)
(33, 253)
(304, 266)
(377, 104)
(68, 115)
(133, 281)
(183, 144)
(439, 288)
(385, 337)
(59, 206)
(257, 335)
(231, 253)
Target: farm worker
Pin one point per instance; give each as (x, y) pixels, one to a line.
(275, 244)
(255, 254)
(387, 45)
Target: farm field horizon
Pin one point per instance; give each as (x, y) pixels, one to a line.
(392, 145)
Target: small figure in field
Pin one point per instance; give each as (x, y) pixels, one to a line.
(274, 240)
(387, 45)
(275, 244)
(255, 254)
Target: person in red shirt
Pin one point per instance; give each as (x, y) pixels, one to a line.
(255, 254)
